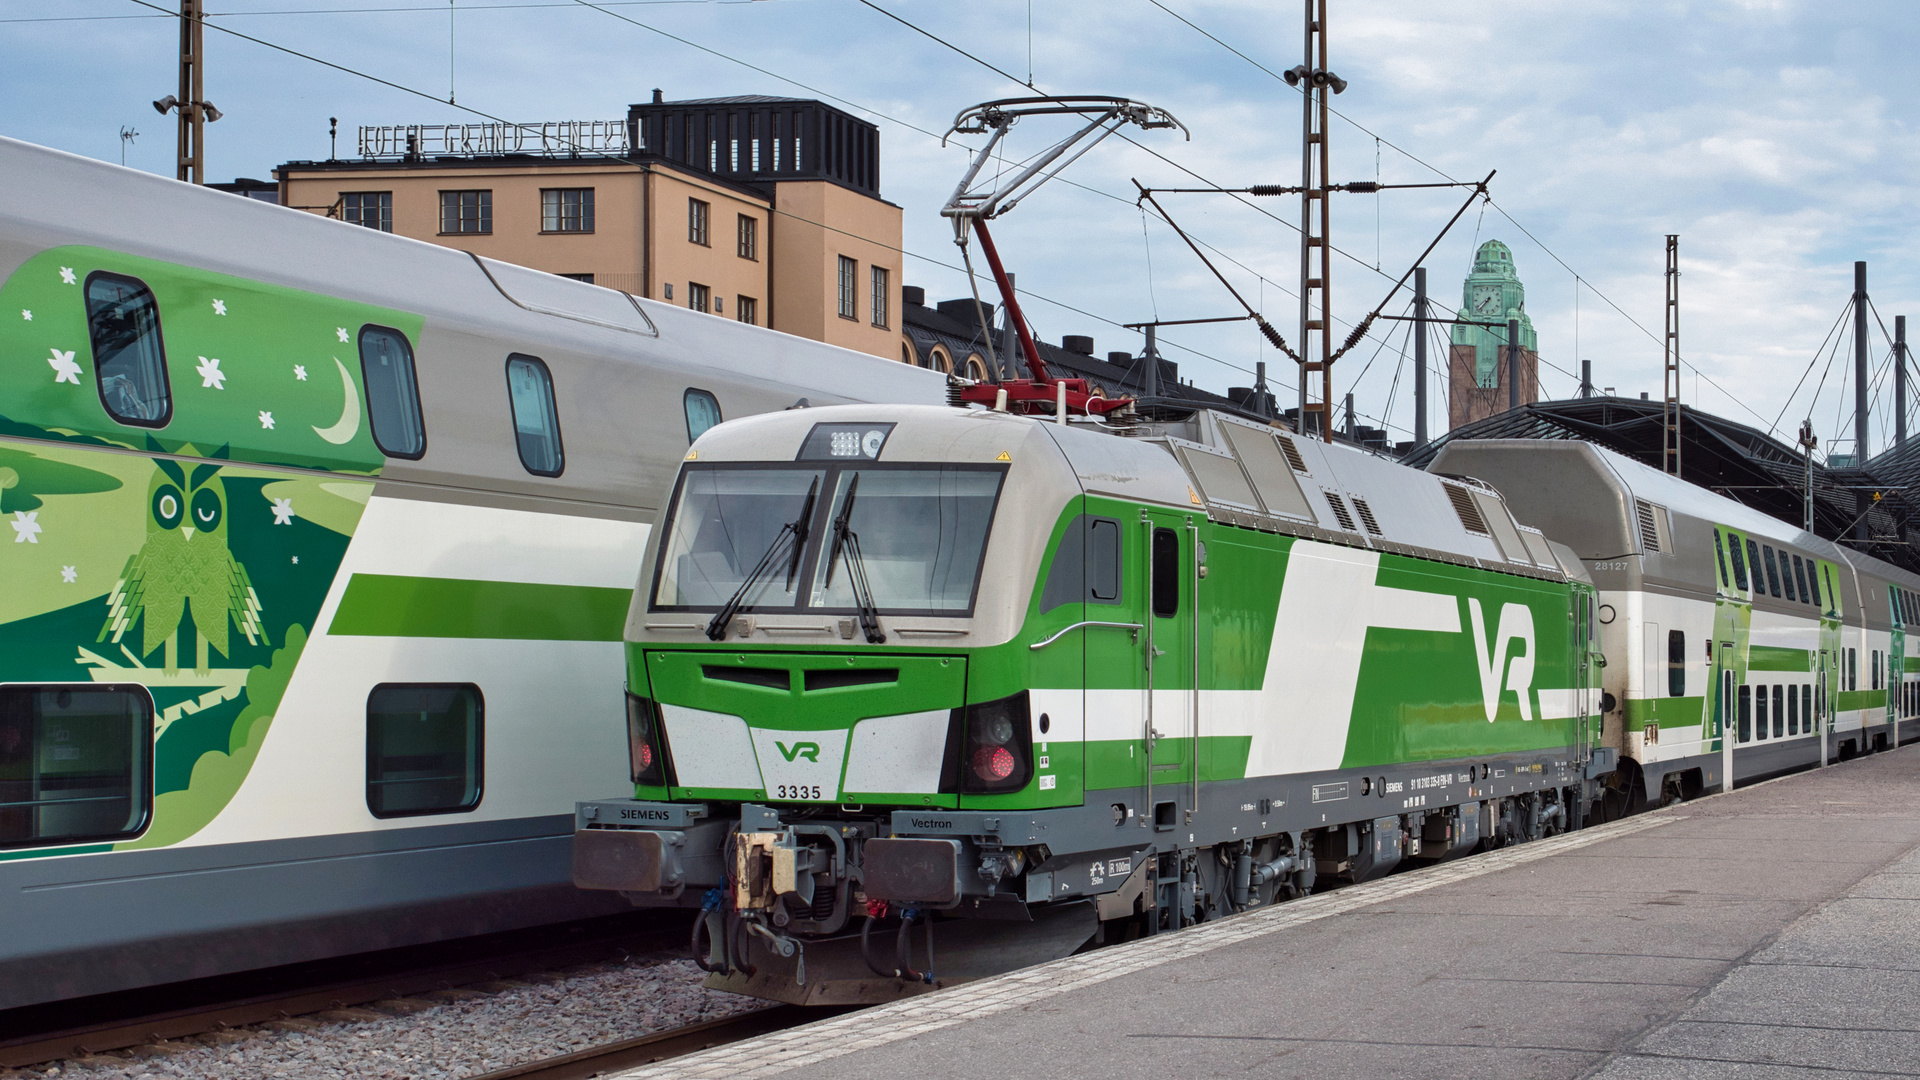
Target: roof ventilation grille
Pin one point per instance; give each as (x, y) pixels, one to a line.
(1366, 515)
(1293, 454)
(1340, 512)
(1649, 531)
(1462, 500)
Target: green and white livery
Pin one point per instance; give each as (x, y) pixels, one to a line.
(1028, 684)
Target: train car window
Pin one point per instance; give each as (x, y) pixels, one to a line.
(1800, 578)
(1793, 711)
(1720, 557)
(1819, 704)
(1773, 575)
(703, 412)
(1806, 708)
(1166, 573)
(74, 763)
(1746, 714)
(1779, 712)
(1853, 669)
(1833, 600)
(536, 424)
(1739, 564)
(393, 397)
(1813, 580)
(1103, 561)
(1753, 560)
(1676, 663)
(129, 356)
(424, 748)
(1786, 577)
(1760, 711)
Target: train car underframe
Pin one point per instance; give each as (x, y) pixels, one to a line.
(869, 907)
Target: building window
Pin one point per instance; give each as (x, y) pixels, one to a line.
(669, 289)
(703, 411)
(879, 284)
(74, 763)
(566, 210)
(466, 212)
(697, 295)
(423, 748)
(536, 425)
(849, 288)
(749, 237)
(747, 310)
(129, 358)
(697, 222)
(393, 397)
(588, 278)
(373, 209)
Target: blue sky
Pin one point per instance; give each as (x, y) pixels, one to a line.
(1775, 136)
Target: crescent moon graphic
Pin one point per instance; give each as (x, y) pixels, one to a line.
(349, 424)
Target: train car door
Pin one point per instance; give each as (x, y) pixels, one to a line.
(1723, 710)
(1172, 719)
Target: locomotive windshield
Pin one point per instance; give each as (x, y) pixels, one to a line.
(806, 538)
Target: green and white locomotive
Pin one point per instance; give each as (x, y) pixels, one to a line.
(913, 681)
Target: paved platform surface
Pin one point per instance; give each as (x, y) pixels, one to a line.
(1770, 933)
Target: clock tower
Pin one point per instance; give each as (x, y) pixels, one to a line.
(1477, 360)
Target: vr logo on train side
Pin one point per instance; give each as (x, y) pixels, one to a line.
(1516, 624)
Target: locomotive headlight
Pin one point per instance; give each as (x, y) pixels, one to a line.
(646, 748)
(990, 747)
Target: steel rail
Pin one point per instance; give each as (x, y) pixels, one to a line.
(663, 1045)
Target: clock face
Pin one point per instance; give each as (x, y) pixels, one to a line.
(1486, 300)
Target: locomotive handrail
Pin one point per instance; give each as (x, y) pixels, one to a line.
(1065, 630)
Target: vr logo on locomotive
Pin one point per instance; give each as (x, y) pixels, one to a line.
(1516, 624)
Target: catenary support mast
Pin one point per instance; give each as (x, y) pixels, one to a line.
(1670, 414)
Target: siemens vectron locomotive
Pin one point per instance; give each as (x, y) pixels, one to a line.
(920, 693)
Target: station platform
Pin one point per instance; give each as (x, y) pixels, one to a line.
(1773, 932)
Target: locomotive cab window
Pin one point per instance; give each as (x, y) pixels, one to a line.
(1166, 573)
(1103, 561)
(393, 397)
(536, 424)
(424, 748)
(129, 357)
(702, 410)
(74, 763)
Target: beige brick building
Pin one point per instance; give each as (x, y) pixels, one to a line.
(766, 210)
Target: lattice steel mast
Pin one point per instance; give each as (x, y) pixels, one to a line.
(1670, 437)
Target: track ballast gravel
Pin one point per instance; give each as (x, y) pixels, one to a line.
(443, 1036)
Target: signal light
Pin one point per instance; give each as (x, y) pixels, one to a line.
(646, 743)
(989, 747)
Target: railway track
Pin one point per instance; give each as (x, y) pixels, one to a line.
(662, 1045)
(400, 980)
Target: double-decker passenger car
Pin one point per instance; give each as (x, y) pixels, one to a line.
(1715, 616)
(320, 543)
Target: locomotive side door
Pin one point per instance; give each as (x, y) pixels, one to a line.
(1172, 732)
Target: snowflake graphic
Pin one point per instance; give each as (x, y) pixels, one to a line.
(64, 368)
(67, 277)
(26, 529)
(283, 513)
(219, 307)
(300, 372)
(68, 574)
(211, 375)
(266, 420)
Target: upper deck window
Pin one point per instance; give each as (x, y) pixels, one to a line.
(1773, 575)
(536, 425)
(917, 533)
(393, 398)
(129, 358)
(1739, 563)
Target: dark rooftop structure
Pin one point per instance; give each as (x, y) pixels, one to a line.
(755, 139)
(1871, 507)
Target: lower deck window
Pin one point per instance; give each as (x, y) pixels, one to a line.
(424, 751)
(74, 763)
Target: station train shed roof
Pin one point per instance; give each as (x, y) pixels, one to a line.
(1873, 507)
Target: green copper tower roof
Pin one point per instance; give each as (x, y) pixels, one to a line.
(1492, 293)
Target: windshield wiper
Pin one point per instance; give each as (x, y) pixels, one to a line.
(846, 541)
(794, 534)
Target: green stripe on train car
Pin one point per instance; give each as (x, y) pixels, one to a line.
(387, 605)
(1772, 658)
(1668, 710)
(1848, 700)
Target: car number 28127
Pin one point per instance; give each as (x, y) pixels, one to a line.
(796, 791)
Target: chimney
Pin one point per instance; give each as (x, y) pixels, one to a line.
(1123, 359)
(1077, 343)
(658, 97)
(913, 294)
